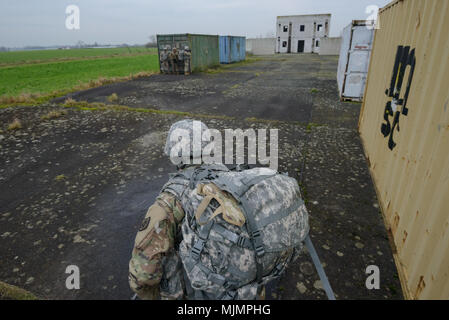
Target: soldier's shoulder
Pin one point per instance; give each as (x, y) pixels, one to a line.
(172, 204)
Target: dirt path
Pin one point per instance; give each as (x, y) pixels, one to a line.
(74, 189)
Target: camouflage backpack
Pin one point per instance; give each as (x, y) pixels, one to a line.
(241, 229)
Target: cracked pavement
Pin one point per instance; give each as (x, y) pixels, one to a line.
(75, 188)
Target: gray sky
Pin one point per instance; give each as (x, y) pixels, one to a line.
(42, 22)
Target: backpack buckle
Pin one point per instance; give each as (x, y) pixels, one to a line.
(197, 249)
(256, 234)
(258, 244)
(260, 251)
(278, 270)
(241, 242)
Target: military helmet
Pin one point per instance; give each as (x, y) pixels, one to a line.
(180, 130)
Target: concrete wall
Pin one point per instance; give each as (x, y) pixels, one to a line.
(262, 46)
(315, 28)
(330, 46)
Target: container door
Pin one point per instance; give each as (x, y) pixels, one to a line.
(358, 62)
(224, 49)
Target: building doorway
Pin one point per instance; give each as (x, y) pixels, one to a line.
(300, 46)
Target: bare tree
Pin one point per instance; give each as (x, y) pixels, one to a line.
(153, 41)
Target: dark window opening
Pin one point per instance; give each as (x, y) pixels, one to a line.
(285, 28)
(317, 44)
(284, 44)
(319, 27)
(302, 28)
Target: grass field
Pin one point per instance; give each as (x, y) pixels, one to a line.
(66, 70)
(21, 57)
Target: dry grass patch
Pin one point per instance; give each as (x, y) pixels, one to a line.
(22, 98)
(61, 177)
(113, 97)
(53, 115)
(15, 125)
(39, 98)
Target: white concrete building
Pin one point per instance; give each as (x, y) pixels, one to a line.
(330, 46)
(302, 33)
(261, 46)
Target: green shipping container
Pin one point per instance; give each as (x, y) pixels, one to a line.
(204, 48)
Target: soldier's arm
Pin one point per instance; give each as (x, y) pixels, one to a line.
(156, 237)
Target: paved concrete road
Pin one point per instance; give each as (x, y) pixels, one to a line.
(74, 189)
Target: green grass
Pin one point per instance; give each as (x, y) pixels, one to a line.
(19, 57)
(45, 78)
(312, 125)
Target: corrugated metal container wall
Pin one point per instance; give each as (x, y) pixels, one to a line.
(204, 48)
(407, 89)
(232, 49)
(238, 49)
(205, 52)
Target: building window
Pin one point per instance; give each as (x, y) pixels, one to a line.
(284, 44)
(317, 44)
(320, 26)
(302, 28)
(285, 28)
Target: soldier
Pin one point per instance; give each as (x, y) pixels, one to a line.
(187, 59)
(154, 258)
(164, 59)
(173, 57)
(191, 214)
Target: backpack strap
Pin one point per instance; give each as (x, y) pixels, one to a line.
(319, 269)
(199, 244)
(240, 241)
(256, 238)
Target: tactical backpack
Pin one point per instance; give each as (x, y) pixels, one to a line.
(241, 229)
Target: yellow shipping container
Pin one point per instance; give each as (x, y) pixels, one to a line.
(404, 125)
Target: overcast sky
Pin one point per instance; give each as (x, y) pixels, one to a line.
(42, 22)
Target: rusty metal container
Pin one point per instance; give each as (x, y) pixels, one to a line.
(204, 48)
(404, 125)
(232, 49)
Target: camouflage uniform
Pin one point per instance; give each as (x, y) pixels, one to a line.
(173, 57)
(155, 242)
(164, 60)
(187, 59)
